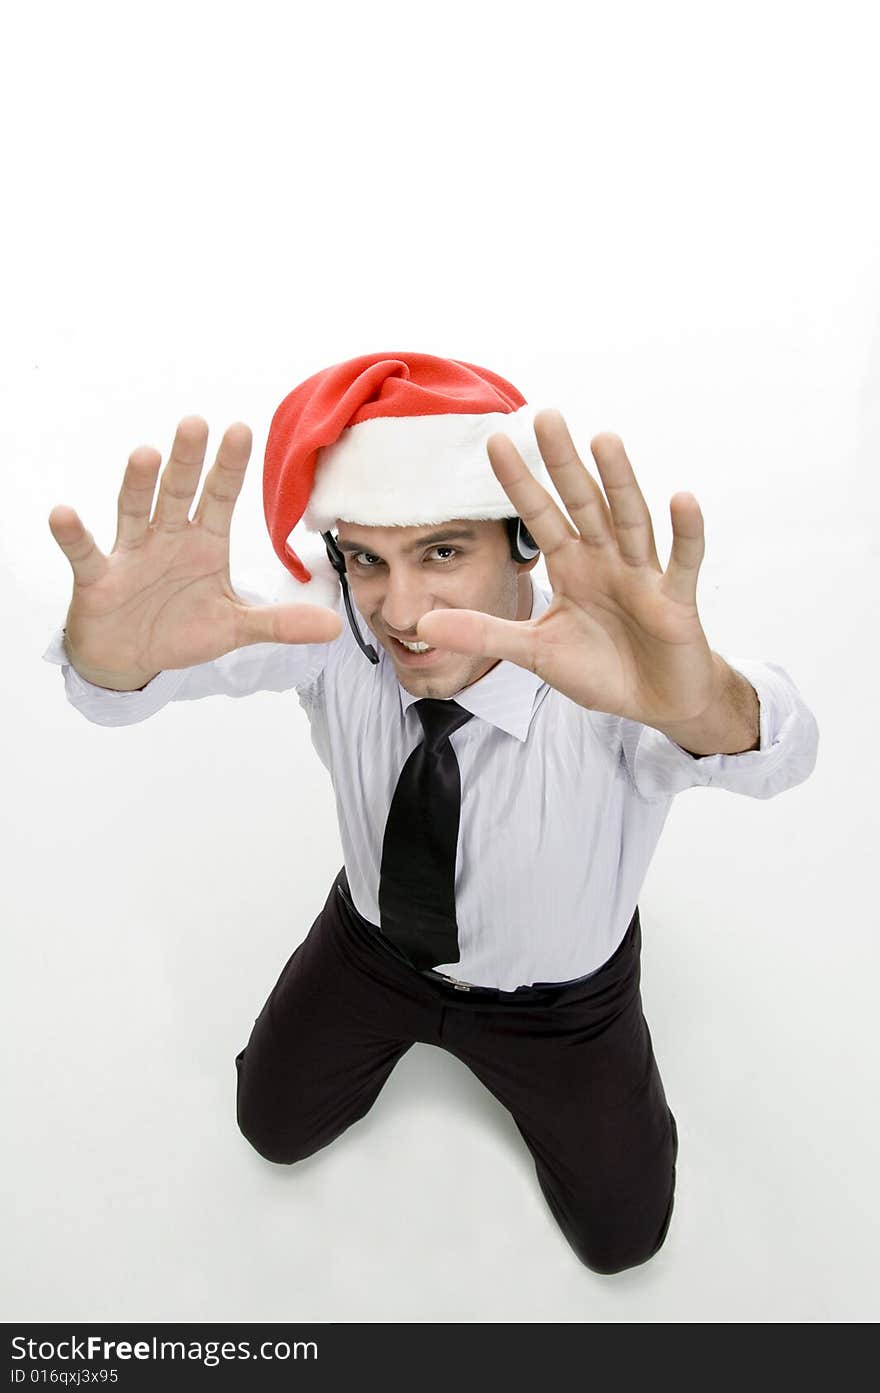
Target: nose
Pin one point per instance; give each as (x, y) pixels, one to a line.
(404, 604)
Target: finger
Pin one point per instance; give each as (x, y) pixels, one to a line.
(633, 529)
(180, 476)
(135, 502)
(78, 545)
(688, 549)
(547, 523)
(224, 481)
(471, 631)
(574, 483)
(287, 624)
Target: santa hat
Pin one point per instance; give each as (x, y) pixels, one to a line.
(386, 439)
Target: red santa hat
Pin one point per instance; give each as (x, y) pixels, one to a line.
(386, 439)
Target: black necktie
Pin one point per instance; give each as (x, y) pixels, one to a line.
(417, 875)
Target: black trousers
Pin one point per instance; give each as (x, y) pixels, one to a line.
(574, 1065)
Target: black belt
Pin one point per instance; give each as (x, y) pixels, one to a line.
(539, 992)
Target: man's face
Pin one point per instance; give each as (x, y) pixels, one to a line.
(399, 574)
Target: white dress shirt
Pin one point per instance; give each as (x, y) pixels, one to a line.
(561, 807)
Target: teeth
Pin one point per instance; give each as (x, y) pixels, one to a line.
(416, 647)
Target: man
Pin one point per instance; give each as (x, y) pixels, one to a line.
(499, 794)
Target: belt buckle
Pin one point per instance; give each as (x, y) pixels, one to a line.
(459, 986)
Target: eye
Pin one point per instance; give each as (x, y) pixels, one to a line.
(368, 567)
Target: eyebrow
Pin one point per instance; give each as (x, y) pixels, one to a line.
(444, 536)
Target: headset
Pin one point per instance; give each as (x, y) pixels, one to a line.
(522, 548)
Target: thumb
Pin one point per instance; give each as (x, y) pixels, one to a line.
(87, 560)
(471, 631)
(289, 624)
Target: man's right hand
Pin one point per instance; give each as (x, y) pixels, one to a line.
(163, 598)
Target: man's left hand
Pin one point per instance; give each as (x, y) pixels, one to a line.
(620, 634)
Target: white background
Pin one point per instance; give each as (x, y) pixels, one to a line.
(662, 220)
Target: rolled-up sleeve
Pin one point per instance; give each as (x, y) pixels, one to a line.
(787, 755)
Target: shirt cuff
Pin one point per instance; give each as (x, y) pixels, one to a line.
(104, 706)
(786, 756)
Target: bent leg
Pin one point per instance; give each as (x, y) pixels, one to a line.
(581, 1082)
(607, 1168)
(319, 1053)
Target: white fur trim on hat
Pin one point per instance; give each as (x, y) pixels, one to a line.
(412, 470)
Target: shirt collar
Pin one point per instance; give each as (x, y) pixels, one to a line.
(505, 696)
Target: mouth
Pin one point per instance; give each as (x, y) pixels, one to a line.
(404, 655)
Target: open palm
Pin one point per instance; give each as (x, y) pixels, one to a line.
(620, 634)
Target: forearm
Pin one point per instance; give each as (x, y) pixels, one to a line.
(730, 726)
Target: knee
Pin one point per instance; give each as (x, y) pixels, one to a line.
(609, 1259)
(617, 1254)
(283, 1132)
(281, 1144)
(283, 1151)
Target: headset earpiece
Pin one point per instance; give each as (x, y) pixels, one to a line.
(522, 544)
